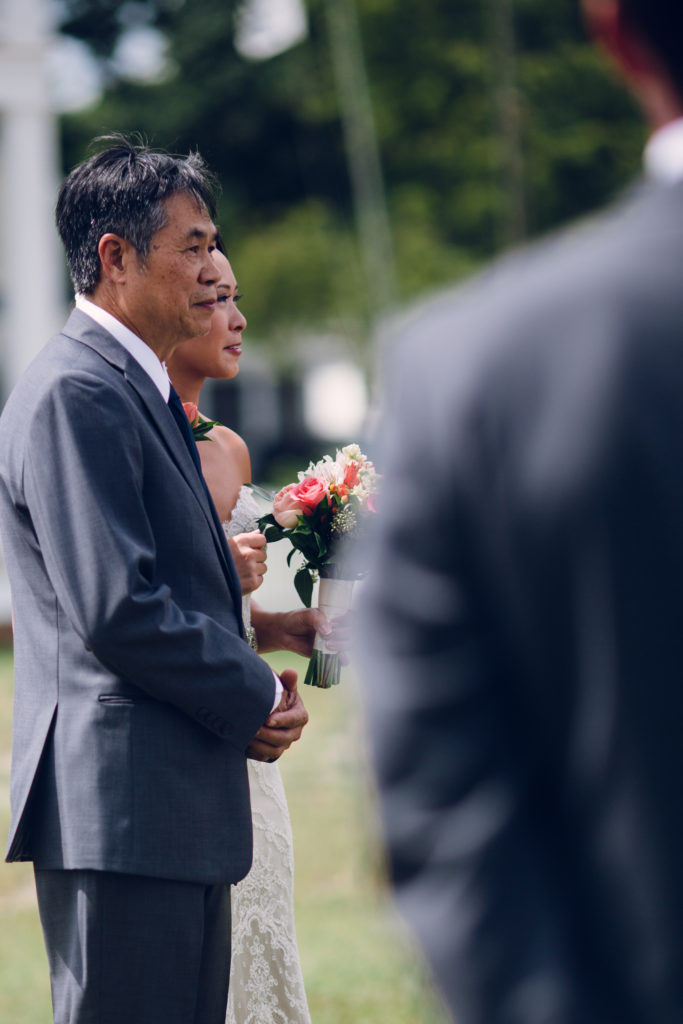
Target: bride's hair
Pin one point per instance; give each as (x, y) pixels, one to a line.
(122, 189)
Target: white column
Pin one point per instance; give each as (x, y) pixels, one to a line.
(31, 298)
(31, 265)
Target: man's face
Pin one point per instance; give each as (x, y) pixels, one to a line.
(171, 296)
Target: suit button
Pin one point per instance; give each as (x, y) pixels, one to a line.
(213, 721)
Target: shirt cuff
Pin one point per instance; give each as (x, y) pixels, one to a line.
(278, 692)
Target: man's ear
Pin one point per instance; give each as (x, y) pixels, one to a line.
(115, 254)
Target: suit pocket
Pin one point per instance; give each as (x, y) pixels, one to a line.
(116, 700)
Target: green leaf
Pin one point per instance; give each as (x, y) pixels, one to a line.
(202, 428)
(304, 586)
(308, 546)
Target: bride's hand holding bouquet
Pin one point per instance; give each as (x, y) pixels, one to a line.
(320, 516)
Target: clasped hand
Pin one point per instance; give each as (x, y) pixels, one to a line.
(283, 726)
(248, 552)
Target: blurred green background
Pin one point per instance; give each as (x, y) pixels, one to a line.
(391, 149)
(369, 151)
(493, 120)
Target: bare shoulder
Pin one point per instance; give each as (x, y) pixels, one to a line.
(226, 466)
(234, 446)
(229, 438)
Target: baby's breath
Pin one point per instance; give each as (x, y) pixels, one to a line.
(344, 521)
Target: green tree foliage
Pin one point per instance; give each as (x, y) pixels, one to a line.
(272, 131)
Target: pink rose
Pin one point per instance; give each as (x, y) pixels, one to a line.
(309, 493)
(352, 474)
(191, 411)
(286, 509)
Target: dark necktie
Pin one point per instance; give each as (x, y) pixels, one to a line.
(176, 407)
(179, 415)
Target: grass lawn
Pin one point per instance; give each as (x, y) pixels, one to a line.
(359, 965)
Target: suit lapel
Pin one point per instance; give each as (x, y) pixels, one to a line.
(84, 329)
(168, 429)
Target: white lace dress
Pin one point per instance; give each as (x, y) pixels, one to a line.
(266, 984)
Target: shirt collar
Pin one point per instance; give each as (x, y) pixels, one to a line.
(664, 153)
(142, 353)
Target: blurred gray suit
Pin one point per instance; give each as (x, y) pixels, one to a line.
(522, 627)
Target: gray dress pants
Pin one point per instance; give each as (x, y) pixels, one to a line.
(126, 949)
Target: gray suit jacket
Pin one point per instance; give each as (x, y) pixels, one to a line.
(523, 628)
(135, 692)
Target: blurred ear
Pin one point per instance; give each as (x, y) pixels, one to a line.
(612, 30)
(638, 62)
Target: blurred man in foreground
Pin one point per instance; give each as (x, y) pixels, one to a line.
(522, 626)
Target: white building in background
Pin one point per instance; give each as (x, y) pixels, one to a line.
(31, 265)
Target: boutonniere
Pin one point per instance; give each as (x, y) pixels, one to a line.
(200, 427)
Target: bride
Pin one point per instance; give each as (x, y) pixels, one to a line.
(266, 984)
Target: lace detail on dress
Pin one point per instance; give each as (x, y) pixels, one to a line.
(266, 984)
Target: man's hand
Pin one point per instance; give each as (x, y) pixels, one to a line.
(288, 631)
(284, 725)
(248, 551)
(295, 631)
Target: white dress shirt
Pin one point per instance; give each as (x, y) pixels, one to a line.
(664, 153)
(141, 352)
(153, 367)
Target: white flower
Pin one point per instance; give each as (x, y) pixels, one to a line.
(352, 453)
(326, 470)
(333, 471)
(367, 482)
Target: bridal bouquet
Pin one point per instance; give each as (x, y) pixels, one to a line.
(326, 507)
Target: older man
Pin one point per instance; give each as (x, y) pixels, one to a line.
(523, 620)
(137, 695)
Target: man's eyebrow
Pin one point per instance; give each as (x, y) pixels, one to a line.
(200, 234)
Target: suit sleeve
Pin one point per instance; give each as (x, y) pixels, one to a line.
(467, 853)
(83, 485)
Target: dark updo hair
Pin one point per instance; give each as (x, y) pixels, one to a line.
(122, 189)
(661, 22)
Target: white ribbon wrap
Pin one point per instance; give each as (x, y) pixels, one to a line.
(334, 599)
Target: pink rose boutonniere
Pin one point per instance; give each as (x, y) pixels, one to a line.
(201, 426)
(327, 505)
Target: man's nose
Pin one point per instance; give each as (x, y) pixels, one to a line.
(209, 271)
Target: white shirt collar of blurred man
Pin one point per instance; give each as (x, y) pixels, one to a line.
(664, 153)
(142, 353)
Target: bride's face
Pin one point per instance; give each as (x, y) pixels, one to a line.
(217, 353)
